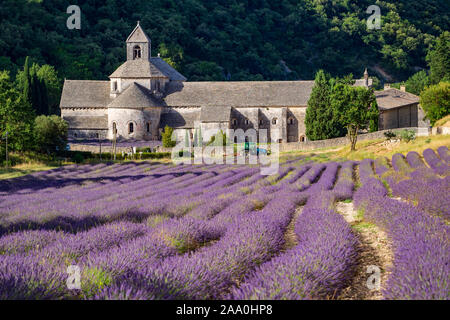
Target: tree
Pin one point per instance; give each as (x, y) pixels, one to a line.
(355, 108)
(16, 115)
(33, 82)
(417, 82)
(167, 138)
(435, 101)
(50, 134)
(27, 95)
(439, 59)
(321, 121)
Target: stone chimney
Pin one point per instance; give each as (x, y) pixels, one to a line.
(403, 88)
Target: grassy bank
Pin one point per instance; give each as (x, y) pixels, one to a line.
(24, 169)
(371, 149)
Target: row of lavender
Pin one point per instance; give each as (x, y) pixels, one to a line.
(216, 227)
(417, 229)
(171, 255)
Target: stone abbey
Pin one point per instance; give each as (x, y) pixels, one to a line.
(145, 94)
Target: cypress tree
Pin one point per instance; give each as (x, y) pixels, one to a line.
(44, 97)
(27, 93)
(321, 121)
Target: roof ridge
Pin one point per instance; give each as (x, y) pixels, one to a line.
(70, 80)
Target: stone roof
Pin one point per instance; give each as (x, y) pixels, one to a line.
(138, 35)
(87, 122)
(179, 120)
(82, 93)
(215, 114)
(143, 68)
(85, 94)
(394, 98)
(239, 94)
(135, 96)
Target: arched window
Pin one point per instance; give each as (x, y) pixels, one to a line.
(261, 122)
(235, 139)
(302, 139)
(136, 52)
(130, 127)
(246, 122)
(234, 122)
(291, 121)
(148, 126)
(114, 128)
(114, 85)
(274, 121)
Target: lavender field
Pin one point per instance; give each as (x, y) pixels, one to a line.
(157, 231)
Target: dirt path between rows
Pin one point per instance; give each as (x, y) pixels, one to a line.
(374, 249)
(289, 236)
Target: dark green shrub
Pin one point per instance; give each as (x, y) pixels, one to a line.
(78, 157)
(390, 135)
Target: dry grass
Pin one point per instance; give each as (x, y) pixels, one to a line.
(373, 149)
(444, 122)
(23, 169)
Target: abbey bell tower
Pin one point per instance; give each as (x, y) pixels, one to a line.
(138, 44)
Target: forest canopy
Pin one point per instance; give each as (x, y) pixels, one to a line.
(225, 40)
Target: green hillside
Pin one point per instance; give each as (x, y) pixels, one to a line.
(225, 39)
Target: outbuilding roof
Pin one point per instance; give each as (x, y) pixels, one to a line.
(394, 98)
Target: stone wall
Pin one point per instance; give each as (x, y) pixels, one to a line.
(87, 133)
(337, 142)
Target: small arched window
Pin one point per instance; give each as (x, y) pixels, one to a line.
(246, 122)
(114, 128)
(291, 121)
(302, 139)
(261, 122)
(114, 85)
(130, 127)
(136, 52)
(148, 126)
(274, 121)
(234, 122)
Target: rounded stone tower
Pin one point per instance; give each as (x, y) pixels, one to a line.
(135, 114)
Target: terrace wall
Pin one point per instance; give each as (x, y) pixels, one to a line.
(337, 142)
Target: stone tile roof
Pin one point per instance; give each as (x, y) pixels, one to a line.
(178, 120)
(87, 122)
(85, 94)
(239, 94)
(135, 96)
(215, 114)
(138, 35)
(93, 94)
(394, 98)
(142, 68)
